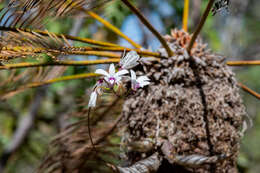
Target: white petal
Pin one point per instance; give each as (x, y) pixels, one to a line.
(130, 60)
(133, 75)
(130, 65)
(144, 83)
(122, 61)
(112, 69)
(133, 83)
(107, 79)
(132, 55)
(142, 79)
(118, 79)
(92, 100)
(121, 72)
(102, 72)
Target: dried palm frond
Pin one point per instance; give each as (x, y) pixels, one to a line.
(11, 80)
(25, 13)
(72, 151)
(24, 44)
(16, 45)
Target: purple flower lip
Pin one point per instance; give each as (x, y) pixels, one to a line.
(112, 79)
(100, 81)
(136, 86)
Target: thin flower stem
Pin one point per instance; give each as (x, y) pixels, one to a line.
(84, 40)
(113, 28)
(243, 63)
(200, 25)
(148, 25)
(59, 63)
(185, 15)
(250, 91)
(89, 130)
(100, 139)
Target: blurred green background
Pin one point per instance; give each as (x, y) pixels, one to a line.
(234, 34)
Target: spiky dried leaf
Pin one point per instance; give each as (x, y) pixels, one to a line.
(31, 13)
(23, 44)
(71, 150)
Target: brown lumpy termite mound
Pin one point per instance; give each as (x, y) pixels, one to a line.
(192, 105)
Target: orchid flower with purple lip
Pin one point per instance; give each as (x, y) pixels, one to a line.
(97, 90)
(130, 60)
(139, 82)
(112, 77)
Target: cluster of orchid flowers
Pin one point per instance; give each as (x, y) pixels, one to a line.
(112, 79)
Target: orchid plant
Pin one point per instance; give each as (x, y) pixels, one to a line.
(114, 77)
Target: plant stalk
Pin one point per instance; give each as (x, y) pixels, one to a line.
(200, 25)
(149, 26)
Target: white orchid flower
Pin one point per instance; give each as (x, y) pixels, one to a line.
(99, 86)
(112, 77)
(130, 60)
(93, 99)
(96, 91)
(141, 81)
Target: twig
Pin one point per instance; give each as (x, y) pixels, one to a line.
(51, 81)
(122, 49)
(185, 15)
(148, 25)
(58, 63)
(250, 91)
(118, 49)
(200, 25)
(242, 63)
(61, 79)
(113, 28)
